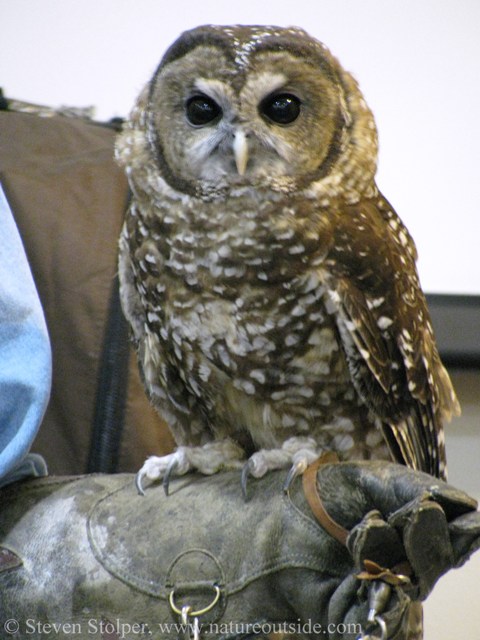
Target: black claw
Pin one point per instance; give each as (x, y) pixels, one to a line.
(246, 473)
(172, 465)
(138, 483)
(295, 470)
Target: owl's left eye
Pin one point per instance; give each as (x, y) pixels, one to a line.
(201, 109)
(281, 108)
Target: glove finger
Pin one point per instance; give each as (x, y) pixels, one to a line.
(453, 501)
(464, 536)
(373, 539)
(427, 543)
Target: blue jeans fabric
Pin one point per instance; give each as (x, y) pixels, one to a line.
(25, 356)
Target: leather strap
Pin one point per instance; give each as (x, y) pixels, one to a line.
(310, 489)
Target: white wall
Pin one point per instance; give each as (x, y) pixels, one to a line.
(418, 63)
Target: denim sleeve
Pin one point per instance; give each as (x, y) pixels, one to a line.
(25, 356)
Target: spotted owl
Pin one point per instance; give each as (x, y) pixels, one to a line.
(271, 288)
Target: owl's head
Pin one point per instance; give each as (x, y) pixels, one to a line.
(261, 106)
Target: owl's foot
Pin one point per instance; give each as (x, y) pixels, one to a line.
(296, 453)
(156, 468)
(207, 459)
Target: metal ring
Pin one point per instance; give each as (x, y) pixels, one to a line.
(383, 627)
(200, 612)
(380, 622)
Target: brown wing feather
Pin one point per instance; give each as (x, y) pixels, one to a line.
(386, 333)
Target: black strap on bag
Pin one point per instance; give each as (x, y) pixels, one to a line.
(109, 414)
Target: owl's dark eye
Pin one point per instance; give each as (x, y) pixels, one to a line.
(201, 109)
(282, 108)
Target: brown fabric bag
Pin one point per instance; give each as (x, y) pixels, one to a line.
(68, 198)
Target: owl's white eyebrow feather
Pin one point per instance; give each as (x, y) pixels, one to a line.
(262, 85)
(217, 90)
(257, 88)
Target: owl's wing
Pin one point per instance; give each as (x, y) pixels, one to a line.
(385, 329)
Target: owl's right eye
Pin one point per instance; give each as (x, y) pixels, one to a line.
(201, 109)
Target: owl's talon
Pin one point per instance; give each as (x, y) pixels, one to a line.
(246, 473)
(139, 476)
(295, 470)
(172, 465)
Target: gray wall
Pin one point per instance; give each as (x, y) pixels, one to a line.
(453, 609)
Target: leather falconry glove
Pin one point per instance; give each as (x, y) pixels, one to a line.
(90, 552)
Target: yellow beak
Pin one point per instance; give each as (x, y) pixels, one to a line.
(240, 151)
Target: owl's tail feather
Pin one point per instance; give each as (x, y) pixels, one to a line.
(417, 441)
(448, 404)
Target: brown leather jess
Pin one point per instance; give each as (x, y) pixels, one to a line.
(310, 489)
